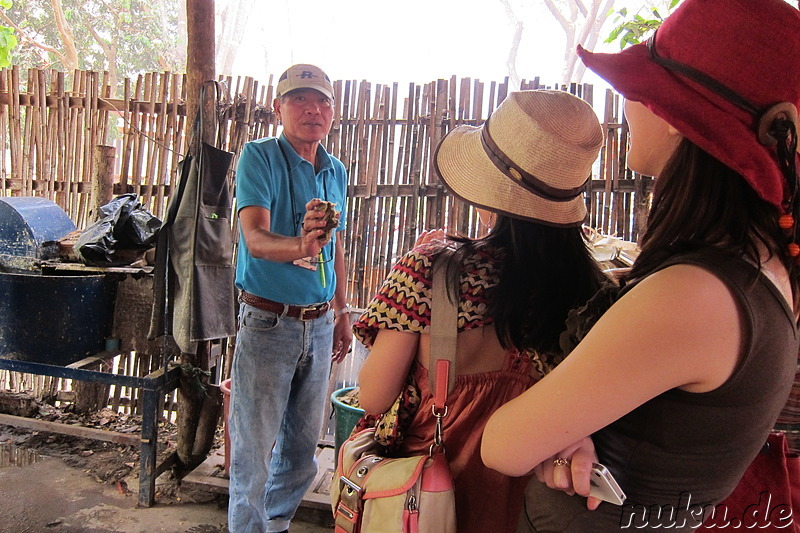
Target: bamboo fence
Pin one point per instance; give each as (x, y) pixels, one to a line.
(385, 135)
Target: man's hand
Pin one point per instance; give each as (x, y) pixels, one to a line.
(311, 232)
(574, 476)
(342, 337)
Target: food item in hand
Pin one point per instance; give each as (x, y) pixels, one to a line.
(331, 219)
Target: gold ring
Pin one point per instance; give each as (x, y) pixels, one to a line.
(561, 462)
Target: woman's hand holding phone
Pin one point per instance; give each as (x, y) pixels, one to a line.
(571, 471)
(604, 486)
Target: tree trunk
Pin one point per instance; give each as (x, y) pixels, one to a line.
(67, 37)
(233, 21)
(511, 61)
(580, 26)
(191, 399)
(207, 423)
(199, 66)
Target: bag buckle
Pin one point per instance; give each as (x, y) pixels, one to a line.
(345, 511)
(438, 431)
(352, 486)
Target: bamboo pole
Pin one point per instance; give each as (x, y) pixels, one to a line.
(346, 133)
(150, 96)
(91, 135)
(361, 136)
(13, 121)
(103, 95)
(334, 137)
(62, 109)
(370, 141)
(28, 149)
(161, 156)
(171, 149)
(4, 139)
(139, 122)
(129, 135)
(393, 177)
(77, 146)
(179, 146)
(42, 178)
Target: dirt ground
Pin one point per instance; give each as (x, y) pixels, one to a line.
(81, 485)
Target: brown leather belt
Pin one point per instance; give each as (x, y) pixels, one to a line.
(301, 312)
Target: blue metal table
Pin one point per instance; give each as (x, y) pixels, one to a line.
(153, 388)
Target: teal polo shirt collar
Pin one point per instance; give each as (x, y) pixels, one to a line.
(295, 160)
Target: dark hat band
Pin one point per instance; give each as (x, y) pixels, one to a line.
(702, 78)
(774, 125)
(533, 184)
(765, 118)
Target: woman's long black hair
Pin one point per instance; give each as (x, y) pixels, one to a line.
(547, 271)
(697, 202)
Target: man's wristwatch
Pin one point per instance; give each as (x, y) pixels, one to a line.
(343, 311)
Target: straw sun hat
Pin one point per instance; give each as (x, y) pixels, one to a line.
(720, 72)
(530, 160)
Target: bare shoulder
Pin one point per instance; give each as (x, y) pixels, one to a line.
(683, 314)
(678, 285)
(679, 300)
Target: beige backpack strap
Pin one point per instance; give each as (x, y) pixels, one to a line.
(444, 329)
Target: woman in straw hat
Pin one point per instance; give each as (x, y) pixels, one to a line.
(525, 168)
(681, 380)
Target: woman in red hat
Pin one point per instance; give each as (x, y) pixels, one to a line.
(677, 386)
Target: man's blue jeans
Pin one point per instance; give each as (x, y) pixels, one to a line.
(279, 388)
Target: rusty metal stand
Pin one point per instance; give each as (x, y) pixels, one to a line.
(154, 387)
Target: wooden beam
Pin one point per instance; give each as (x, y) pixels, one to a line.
(103, 104)
(65, 429)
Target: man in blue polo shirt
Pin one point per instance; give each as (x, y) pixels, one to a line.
(293, 318)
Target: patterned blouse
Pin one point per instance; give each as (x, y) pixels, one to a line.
(403, 301)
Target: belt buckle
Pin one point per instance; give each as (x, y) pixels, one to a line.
(304, 310)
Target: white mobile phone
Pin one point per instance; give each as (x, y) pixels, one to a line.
(604, 486)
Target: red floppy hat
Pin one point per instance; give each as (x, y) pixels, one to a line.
(712, 70)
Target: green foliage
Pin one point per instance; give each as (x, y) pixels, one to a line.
(630, 31)
(8, 41)
(135, 35)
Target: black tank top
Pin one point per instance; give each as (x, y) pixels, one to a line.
(681, 453)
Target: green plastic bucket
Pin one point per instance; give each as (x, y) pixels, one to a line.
(345, 419)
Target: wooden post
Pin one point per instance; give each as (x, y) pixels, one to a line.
(200, 65)
(91, 396)
(193, 409)
(103, 179)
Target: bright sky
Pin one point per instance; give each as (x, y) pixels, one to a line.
(403, 41)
